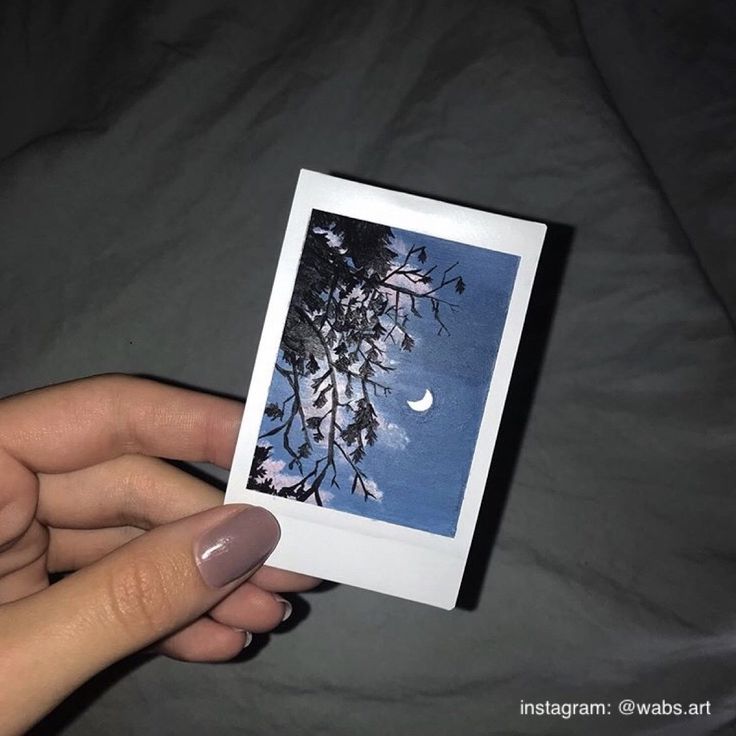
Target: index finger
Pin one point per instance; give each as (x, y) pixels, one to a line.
(81, 423)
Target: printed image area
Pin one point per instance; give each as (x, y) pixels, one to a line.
(384, 368)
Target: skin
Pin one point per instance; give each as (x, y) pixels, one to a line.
(82, 489)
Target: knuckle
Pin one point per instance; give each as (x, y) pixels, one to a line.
(141, 597)
(115, 390)
(141, 473)
(139, 478)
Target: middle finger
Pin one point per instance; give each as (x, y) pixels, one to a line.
(131, 490)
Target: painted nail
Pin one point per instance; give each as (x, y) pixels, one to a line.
(288, 608)
(236, 546)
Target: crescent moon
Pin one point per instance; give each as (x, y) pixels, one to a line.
(422, 404)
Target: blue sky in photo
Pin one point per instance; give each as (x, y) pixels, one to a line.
(421, 461)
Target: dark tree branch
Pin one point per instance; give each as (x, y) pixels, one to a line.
(329, 299)
(358, 295)
(411, 252)
(335, 395)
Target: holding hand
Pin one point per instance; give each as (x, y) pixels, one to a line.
(160, 561)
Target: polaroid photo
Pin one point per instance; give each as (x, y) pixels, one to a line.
(379, 384)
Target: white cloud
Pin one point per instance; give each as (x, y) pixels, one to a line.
(394, 436)
(400, 246)
(326, 497)
(333, 239)
(275, 470)
(374, 489)
(391, 434)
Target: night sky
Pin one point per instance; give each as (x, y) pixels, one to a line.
(421, 461)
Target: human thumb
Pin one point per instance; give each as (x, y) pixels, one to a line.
(151, 587)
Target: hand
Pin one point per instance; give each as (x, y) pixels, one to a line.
(159, 560)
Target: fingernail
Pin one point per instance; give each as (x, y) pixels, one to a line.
(287, 608)
(236, 546)
(248, 636)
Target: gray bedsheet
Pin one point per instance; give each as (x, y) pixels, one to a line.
(150, 153)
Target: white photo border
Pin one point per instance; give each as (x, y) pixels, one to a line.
(343, 547)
